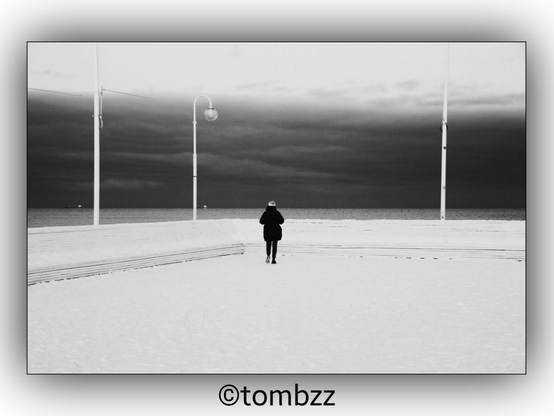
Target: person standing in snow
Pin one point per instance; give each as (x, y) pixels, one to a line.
(272, 220)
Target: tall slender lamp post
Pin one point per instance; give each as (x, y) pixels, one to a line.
(97, 124)
(211, 115)
(444, 128)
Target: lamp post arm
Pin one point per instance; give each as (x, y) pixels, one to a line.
(205, 96)
(194, 126)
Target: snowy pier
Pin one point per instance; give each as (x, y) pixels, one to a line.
(57, 253)
(372, 297)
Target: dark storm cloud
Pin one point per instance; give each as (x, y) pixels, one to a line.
(57, 146)
(304, 153)
(61, 146)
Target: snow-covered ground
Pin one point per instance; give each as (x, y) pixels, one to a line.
(322, 312)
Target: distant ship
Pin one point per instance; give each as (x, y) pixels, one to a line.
(74, 206)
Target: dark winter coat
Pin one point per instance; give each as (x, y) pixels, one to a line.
(271, 219)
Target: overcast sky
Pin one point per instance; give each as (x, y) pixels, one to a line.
(312, 125)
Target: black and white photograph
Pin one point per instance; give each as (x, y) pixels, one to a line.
(317, 207)
(285, 207)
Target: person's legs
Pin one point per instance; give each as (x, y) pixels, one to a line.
(267, 250)
(274, 253)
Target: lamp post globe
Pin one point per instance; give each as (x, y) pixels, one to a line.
(210, 114)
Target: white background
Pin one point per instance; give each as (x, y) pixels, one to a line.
(24, 21)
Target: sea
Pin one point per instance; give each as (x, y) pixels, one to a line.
(56, 217)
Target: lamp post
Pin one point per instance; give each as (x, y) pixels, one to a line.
(444, 129)
(211, 115)
(97, 124)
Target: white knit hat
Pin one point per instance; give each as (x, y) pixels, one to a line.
(271, 203)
